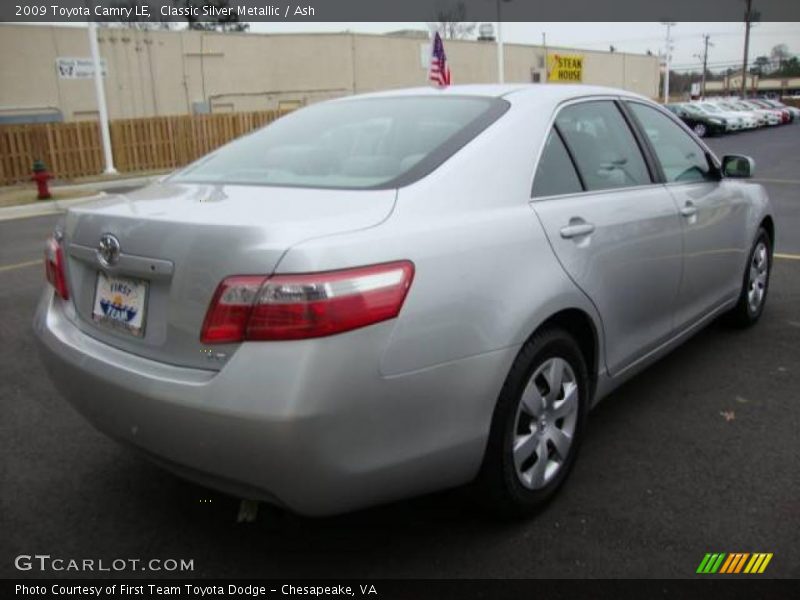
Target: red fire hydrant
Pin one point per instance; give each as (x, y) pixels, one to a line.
(41, 176)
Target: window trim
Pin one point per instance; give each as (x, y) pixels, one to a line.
(551, 124)
(657, 174)
(571, 158)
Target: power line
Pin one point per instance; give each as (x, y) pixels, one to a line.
(716, 64)
(689, 36)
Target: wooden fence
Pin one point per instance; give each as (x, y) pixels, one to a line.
(72, 150)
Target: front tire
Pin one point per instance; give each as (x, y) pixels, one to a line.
(700, 129)
(537, 425)
(755, 284)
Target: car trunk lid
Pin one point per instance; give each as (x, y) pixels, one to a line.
(182, 240)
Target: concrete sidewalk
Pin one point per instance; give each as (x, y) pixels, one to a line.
(48, 207)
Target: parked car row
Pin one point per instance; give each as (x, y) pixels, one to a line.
(716, 116)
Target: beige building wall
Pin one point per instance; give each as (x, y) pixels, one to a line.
(176, 72)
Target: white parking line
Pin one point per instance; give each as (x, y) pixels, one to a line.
(787, 256)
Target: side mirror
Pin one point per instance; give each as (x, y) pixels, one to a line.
(734, 165)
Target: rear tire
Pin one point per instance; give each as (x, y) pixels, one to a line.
(755, 283)
(537, 425)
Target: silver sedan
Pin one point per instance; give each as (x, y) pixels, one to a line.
(386, 295)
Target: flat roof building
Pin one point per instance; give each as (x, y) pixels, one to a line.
(46, 71)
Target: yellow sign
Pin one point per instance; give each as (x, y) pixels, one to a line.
(565, 67)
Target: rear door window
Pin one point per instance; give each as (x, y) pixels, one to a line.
(605, 151)
(555, 174)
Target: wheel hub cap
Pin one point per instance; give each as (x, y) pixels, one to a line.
(757, 280)
(545, 423)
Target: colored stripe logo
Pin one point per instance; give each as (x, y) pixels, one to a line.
(734, 563)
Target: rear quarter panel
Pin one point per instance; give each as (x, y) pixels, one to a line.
(485, 275)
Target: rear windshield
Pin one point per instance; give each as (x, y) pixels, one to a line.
(354, 144)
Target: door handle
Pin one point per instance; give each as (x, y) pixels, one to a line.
(689, 209)
(576, 230)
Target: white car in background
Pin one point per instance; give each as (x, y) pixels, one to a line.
(752, 120)
(771, 116)
(761, 117)
(749, 120)
(734, 120)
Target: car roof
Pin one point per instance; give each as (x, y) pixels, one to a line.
(555, 92)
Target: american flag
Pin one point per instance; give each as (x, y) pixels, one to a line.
(439, 71)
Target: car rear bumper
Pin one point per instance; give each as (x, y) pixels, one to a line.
(309, 425)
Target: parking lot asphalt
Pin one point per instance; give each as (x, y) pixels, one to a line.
(776, 151)
(697, 454)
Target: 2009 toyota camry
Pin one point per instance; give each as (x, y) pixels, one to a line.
(390, 294)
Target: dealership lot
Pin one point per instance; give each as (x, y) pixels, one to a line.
(697, 454)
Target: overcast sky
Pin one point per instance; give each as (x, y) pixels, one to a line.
(727, 38)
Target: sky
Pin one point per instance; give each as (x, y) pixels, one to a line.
(727, 38)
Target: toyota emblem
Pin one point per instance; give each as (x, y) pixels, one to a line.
(108, 250)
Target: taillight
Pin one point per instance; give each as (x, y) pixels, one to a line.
(292, 307)
(54, 267)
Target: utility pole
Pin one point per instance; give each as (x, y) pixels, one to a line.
(100, 94)
(667, 59)
(705, 62)
(748, 16)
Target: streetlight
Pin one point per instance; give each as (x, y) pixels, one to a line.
(100, 94)
(501, 68)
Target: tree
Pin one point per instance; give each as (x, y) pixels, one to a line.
(450, 21)
(760, 65)
(228, 22)
(789, 68)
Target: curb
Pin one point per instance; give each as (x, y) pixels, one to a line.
(40, 209)
(142, 180)
(53, 207)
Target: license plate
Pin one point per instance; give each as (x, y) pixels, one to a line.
(120, 303)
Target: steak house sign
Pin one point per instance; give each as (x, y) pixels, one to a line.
(565, 67)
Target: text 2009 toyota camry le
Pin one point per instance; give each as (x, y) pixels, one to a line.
(390, 294)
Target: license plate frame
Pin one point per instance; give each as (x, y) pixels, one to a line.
(120, 303)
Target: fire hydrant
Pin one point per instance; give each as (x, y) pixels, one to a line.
(41, 176)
